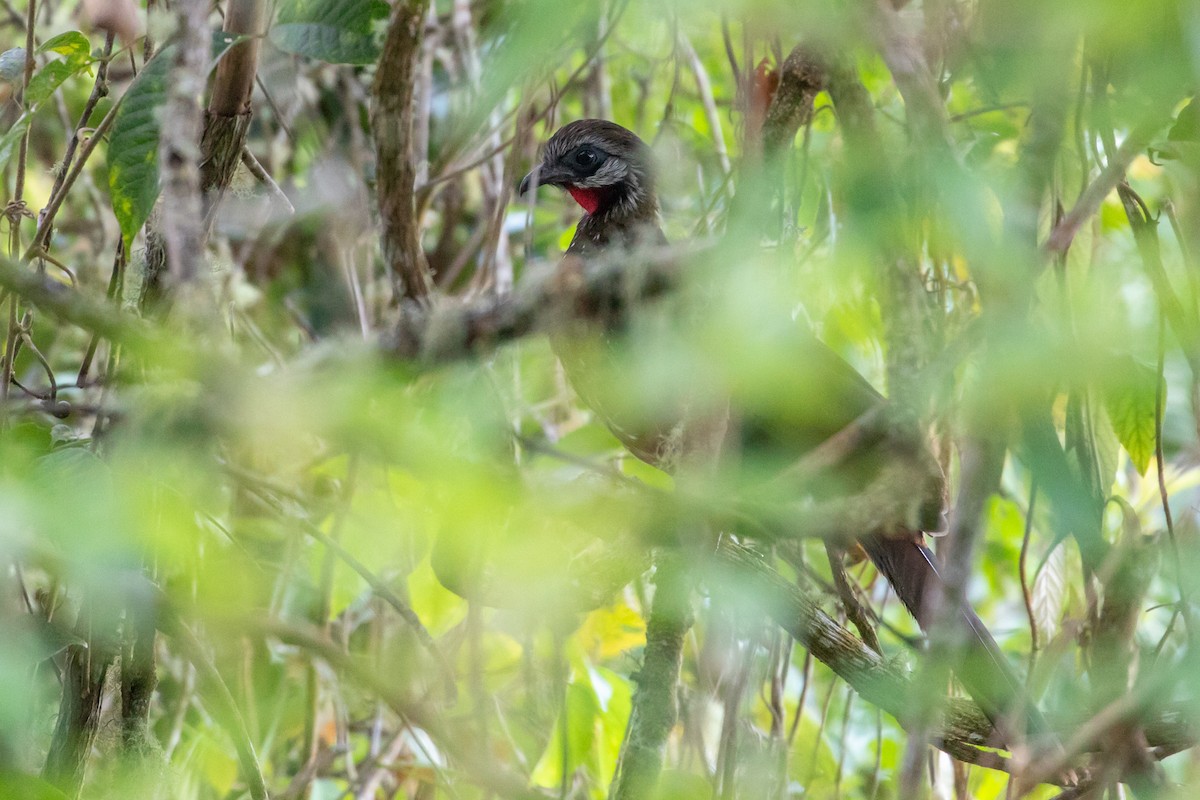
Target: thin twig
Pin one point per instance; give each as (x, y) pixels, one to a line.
(46, 218)
(1159, 381)
(99, 90)
(1026, 590)
(1063, 234)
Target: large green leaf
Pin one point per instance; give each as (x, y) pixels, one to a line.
(1130, 398)
(582, 708)
(133, 147)
(335, 31)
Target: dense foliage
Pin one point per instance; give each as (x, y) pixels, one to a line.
(295, 500)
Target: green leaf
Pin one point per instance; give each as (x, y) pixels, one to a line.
(133, 147)
(43, 84)
(1129, 398)
(582, 709)
(77, 56)
(72, 44)
(15, 786)
(47, 79)
(1049, 595)
(1091, 443)
(11, 138)
(812, 763)
(334, 31)
(675, 784)
(615, 697)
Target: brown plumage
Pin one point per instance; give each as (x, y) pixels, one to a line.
(609, 171)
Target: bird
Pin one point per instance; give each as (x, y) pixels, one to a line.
(609, 171)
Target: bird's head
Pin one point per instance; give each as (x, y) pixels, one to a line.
(606, 168)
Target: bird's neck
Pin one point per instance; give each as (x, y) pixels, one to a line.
(589, 200)
(617, 228)
(631, 202)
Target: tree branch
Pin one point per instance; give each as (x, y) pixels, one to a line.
(655, 706)
(545, 299)
(179, 152)
(228, 117)
(1089, 202)
(392, 122)
(83, 677)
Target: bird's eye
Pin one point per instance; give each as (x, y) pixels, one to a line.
(585, 157)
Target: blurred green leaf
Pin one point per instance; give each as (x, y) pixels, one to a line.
(334, 31)
(438, 607)
(615, 696)
(675, 784)
(11, 139)
(1049, 593)
(217, 763)
(328, 789)
(16, 786)
(580, 721)
(1091, 440)
(1130, 398)
(812, 763)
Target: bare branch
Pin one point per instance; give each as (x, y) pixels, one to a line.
(392, 122)
(179, 151)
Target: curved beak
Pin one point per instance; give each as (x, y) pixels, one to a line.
(541, 176)
(527, 183)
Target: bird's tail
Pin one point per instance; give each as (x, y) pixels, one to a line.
(912, 570)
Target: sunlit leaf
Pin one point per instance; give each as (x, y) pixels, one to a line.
(1130, 399)
(43, 84)
(218, 765)
(439, 608)
(615, 696)
(1049, 594)
(72, 44)
(612, 630)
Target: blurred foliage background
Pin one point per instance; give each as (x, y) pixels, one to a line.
(251, 547)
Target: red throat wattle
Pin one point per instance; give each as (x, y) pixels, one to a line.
(588, 198)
